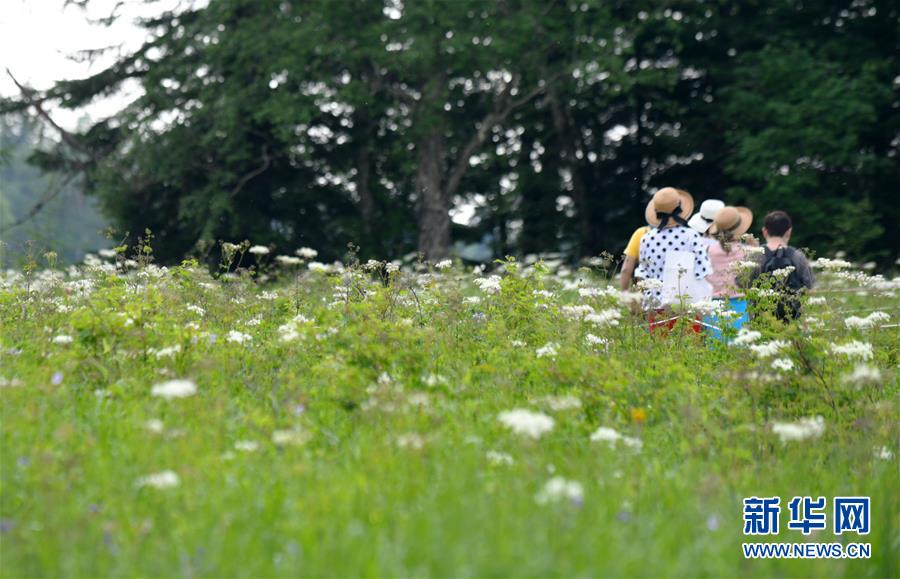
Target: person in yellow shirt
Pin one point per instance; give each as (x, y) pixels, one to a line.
(632, 253)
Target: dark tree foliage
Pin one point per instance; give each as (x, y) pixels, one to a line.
(322, 122)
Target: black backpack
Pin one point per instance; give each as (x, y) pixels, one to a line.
(788, 287)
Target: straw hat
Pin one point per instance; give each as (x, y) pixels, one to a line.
(703, 219)
(669, 206)
(732, 221)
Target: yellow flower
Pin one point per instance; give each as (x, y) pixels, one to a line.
(638, 415)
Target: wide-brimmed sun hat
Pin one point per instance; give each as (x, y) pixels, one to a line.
(703, 219)
(733, 222)
(669, 206)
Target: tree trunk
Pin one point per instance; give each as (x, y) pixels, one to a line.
(433, 202)
(567, 146)
(363, 188)
(432, 196)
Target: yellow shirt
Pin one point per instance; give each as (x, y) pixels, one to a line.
(633, 249)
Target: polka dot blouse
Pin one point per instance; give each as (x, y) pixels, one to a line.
(658, 242)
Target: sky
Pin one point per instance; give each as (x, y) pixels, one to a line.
(39, 38)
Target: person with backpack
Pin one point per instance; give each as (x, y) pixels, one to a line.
(783, 268)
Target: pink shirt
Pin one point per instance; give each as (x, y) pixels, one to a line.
(722, 279)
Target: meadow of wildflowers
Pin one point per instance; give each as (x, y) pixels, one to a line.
(404, 418)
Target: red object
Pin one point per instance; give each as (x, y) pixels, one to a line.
(665, 321)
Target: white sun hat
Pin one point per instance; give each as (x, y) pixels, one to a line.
(703, 219)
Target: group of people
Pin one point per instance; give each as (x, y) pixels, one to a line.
(702, 256)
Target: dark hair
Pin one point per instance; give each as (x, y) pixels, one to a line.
(725, 240)
(777, 223)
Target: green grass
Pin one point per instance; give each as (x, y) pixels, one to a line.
(379, 365)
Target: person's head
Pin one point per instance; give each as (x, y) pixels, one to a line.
(730, 224)
(777, 224)
(703, 219)
(669, 207)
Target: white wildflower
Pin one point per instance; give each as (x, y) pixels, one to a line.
(107, 253)
(754, 250)
(63, 339)
(543, 294)
(873, 319)
(259, 250)
(489, 285)
(608, 317)
(708, 307)
(495, 457)
(596, 292)
(7, 383)
(744, 265)
(784, 364)
(854, 349)
(630, 298)
(444, 264)
(768, 349)
(236, 337)
(174, 389)
(559, 489)
(611, 436)
(246, 445)
(307, 253)
(253, 322)
(817, 301)
(595, 341)
(154, 425)
(526, 422)
(167, 352)
(548, 350)
(196, 309)
(576, 312)
(517, 344)
(864, 373)
(166, 479)
(411, 440)
(472, 300)
(784, 272)
(825, 263)
(391, 267)
(293, 437)
(649, 284)
(558, 403)
(800, 430)
(883, 453)
(434, 379)
(319, 267)
(287, 260)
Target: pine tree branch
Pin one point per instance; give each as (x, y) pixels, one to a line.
(52, 193)
(31, 98)
(266, 162)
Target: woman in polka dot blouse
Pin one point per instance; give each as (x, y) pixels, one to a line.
(667, 213)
